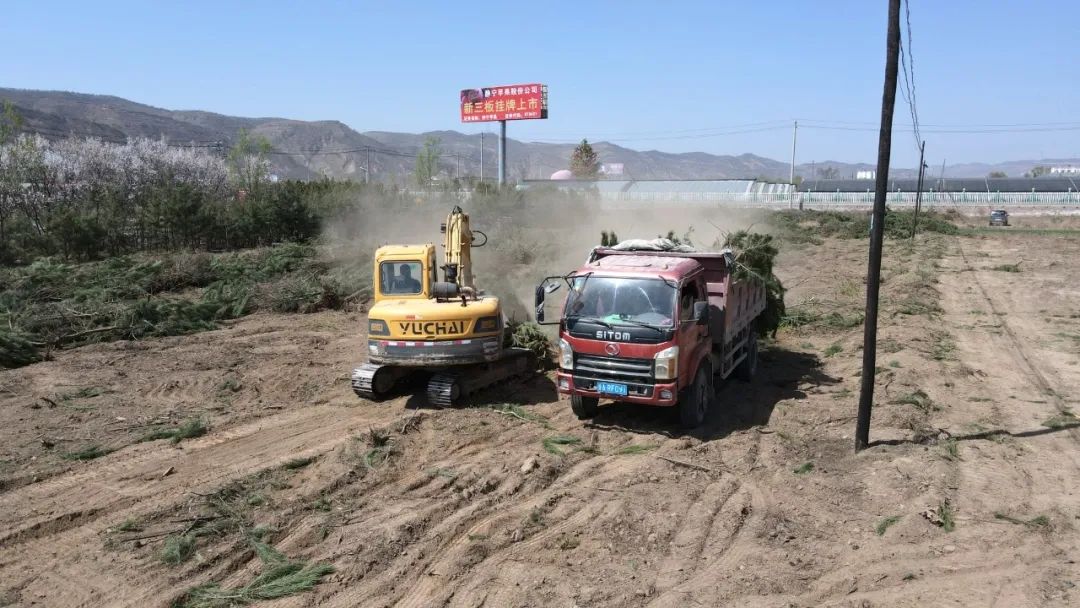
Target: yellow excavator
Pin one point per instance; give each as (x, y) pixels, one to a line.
(448, 330)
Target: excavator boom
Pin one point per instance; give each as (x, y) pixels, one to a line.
(457, 241)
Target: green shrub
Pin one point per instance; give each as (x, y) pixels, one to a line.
(810, 226)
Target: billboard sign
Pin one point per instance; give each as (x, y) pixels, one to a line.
(511, 102)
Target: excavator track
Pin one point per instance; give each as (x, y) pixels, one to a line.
(372, 381)
(444, 389)
(447, 387)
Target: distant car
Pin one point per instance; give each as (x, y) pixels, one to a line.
(999, 217)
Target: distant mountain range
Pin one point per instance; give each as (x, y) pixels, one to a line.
(310, 149)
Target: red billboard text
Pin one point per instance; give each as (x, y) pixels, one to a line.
(512, 102)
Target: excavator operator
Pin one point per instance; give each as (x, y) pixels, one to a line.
(404, 282)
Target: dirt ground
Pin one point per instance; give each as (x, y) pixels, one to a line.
(969, 495)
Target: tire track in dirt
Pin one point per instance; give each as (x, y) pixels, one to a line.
(51, 520)
(686, 547)
(723, 547)
(495, 566)
(470, 543)
(973, 564)
(1018, 348)
(719, 543)
(1042, 459)
(182, 391)
(941, 581)
(465, 546)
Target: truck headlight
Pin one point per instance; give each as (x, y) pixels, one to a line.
(667, 363)
(566, 354)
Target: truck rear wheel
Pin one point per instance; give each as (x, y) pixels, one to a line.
(585, 407)
(695, 403)
(748, 366)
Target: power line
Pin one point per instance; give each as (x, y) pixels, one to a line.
(908, 84)
(957, 125)
(1074, 127)
(623, 134)
(838, 125)
(320, 152)
(780, 127)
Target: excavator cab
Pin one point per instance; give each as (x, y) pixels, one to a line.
(404, 271)
(448, 329)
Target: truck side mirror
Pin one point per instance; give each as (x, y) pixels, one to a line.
(548, 285)
(701, 313)
(540, 293)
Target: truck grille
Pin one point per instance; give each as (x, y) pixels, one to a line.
(613, 368)
(637, 374)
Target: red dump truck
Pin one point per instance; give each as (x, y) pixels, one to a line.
(654, 327)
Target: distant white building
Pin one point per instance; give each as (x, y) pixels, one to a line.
(1066, 170)
(866, 175)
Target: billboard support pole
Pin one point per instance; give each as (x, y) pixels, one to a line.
(481, 157)
(502, 153)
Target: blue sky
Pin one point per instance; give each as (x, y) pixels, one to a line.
(714, 76)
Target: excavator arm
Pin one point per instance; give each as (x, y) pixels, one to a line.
(457, 243)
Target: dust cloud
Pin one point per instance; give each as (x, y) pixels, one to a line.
(530, 235)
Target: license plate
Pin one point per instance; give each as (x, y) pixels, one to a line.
(611, 388)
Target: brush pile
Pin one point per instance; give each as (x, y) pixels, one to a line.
(755, 255)
(51, 304)
(531, 336)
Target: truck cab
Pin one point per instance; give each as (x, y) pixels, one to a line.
(648, 328)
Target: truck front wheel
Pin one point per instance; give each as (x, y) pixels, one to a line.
(585, 407)
(695, 403)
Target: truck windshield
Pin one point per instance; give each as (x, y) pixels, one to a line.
(618, 299)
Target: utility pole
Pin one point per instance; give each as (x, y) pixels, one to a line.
(877, 228)
(794, 134)
(918, 196)
(502, 153)
(481, 157)
(367, 169)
